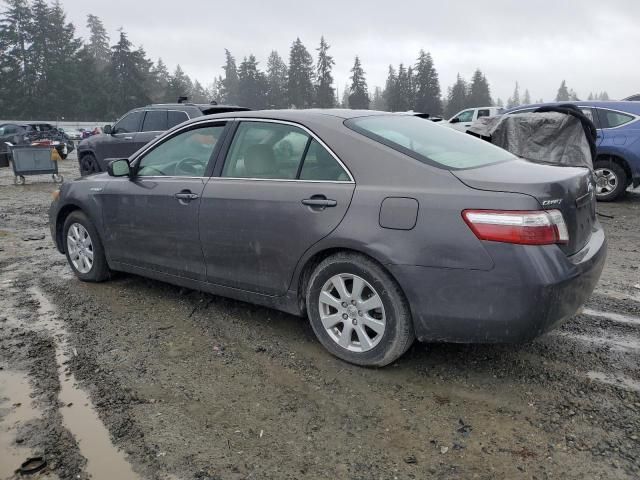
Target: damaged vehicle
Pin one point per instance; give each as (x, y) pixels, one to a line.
(34, 134)
(380, 228)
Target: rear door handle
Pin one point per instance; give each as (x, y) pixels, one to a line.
(186, 196)
(319, 202)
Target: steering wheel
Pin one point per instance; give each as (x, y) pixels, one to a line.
(151, 167)
(189, 167)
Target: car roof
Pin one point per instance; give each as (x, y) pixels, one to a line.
(204, 107)
(623, 106)
(302, 115)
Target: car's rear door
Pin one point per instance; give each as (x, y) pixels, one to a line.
(151, 219)
(278, 192)
(153, 125)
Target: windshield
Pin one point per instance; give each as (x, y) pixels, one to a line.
(428, 142)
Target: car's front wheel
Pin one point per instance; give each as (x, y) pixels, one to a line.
(611, 180)
(84, 249)
(358, 311)
(88, 165)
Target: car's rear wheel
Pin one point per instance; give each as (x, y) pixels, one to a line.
(358, 311)
(88, 164)
(84, 249)
(611, 180)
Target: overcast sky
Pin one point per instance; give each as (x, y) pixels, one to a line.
(592, 44)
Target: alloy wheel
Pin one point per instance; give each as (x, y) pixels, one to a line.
(606, 181)
(352, 312)
(80, 248)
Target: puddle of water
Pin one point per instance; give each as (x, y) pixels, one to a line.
(616, 380)
(615, 317)
(104, 460)
(16, 408)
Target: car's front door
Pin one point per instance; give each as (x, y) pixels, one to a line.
(464, 120)
(151, 219)
(119, 144)
(279, 192)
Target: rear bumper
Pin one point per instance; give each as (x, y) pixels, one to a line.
(531, 290)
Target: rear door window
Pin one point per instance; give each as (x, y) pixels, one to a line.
(176, 117)
(129, 123)
(612, 119)
(155, 121)
(428, 142)
(485, 112)
(320, 165)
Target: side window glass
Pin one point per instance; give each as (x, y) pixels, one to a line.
(611, 119)
(265, 150)
(320, 165)
(176, 118)
(155, 121)
(466, 116)
(129, 123)
(184, 155)
(483, 113)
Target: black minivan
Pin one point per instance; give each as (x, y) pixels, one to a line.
(136, 128)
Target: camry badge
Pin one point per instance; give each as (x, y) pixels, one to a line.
(552, 203)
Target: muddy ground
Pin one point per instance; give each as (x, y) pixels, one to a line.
(136, 379)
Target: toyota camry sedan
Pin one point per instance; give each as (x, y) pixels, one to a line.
(380, 228)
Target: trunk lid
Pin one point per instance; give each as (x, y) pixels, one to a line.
(568, 189)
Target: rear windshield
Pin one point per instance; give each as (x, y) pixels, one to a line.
(429, 142)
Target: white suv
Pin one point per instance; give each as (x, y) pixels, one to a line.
(463, 119)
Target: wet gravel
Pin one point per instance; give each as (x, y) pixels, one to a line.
(192, 386)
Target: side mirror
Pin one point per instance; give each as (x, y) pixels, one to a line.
(106, 129)
(119, 168)
(454, 120)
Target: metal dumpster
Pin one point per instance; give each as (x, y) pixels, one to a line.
(33, 160)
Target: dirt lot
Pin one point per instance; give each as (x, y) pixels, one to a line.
(135, 379)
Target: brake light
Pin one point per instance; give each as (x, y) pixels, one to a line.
(529, 227)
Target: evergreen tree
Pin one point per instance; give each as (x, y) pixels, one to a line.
(403, 90)
(427, 86)
(563, 92)
(358, 92)
(590, 97)
(300, 83)
(230, 83)
(604, 96)
(526, 100)
(160, 77)
(514, 100)
(199, 94)
(390, 93)
(573, 96)
(345, 97)
(499, 103)
(479, 92)
(179, 85)
(16, 73)
(377, 101)
(98, 44)
(128, 77)
(457, 97)
(252, 84)
(325, 95)
(276, 81)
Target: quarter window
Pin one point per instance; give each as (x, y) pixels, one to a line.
(155, 121)
(484, 113)
(611, 119)
(176, 118)
(184, 155)
(130, 123)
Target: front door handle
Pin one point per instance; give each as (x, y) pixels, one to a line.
(186, 196)
(319, 201)
(128, 138)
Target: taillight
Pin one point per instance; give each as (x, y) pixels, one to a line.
(530, 227)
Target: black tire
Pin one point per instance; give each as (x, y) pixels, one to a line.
(622, 181)
(398, 332)
(99, 271)
(88, 165)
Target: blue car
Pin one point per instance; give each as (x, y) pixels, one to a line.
(617, 164)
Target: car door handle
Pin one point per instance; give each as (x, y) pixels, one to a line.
(128, 138)
(186, 196)
(319, 202)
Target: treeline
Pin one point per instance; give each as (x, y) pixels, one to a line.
(47, 71)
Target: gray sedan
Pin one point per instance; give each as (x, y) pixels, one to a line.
(379, 228)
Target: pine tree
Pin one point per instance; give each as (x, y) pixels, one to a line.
(300, 83)
(179, 85)
(325, 95)
(98, 44)
(345, 97)
(160, 78)
(427, 86)
(252, 84)
(128, 72)
(276, 81)
(457, 97)
(526, 100)
(514, 100)
(358, 92)
(563, 92)
(404, 90)
(390, 93)
(479, 92)
(499, 103)
(377, 101)
(229, 91)
(590, 97)
(573, 96)
(604, 96)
